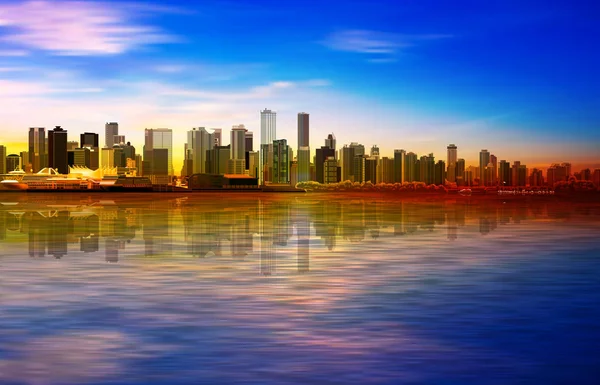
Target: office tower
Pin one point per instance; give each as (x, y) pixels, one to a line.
(159, 139)
(13, 162)
(321, 155)
(374, 151)
(330, 170)
(303, 164)
(303, 130)
(265, 168)
(138, 164)
(108, 158)
(217, 160)
(494, 162)
(268, 126)
(294, 173)
(281, 163)
(128, 151)
(484, 160)
(118, 139)
(596, 177)
(504, 174)
(218, 136)
(110, 130)
(161, 162)
(253, 162)
(398, 169)
(427, 167)
(515, 173)
(249, 147)
(385, 170)
(37, 148)
(470, 175)
(460, 168)
(81, 157)
(330, 141)
(57, 150)
(25, 162)
(90, 140)
(119, 156)
(359, 168)
(488, 175)
(452, 159)
(557, 173)
(536, 179)
(370, 170)
(238, 142)
(3, 160)
(439, 177)
(410, 167)
(567, 167)
(347, 162)
(199, 142)
(359, 149)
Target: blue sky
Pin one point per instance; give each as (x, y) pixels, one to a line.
(518, 78)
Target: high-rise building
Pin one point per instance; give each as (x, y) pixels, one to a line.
(108, 158)
(90, 140)
(370, 169)
(3, 160)
(118, 139)
(72, 144)
(484, 160)
(359, 149)
(238, 143)
(557, 173)
(110, 130)
(81, 157)
(536, 179)
(155, 139)
(452, 158)
(254, 160)
(359, 168)
(37, 148)
(439, 177)
(347, 162)
(398, 171)
(330, 141)
(303, 164)
(281, 163)
(13, 162)
(385, 170)
(268, 126)
(217, 159)
(460, 168)
(596, 177)
(375, 151)
(199, 141)
(321, 155)
(504, 174)
(249, 147)
(303, 130)
(410, 167)
(494, 162)
(57, 150)
(427, 169)
(218, 136)
(330, 170)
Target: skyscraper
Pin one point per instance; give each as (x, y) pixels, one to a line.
(504, 174)
(57, 150)
(347, 161)
(199, 141)
(13, 162)
(330, 141)
(322, 154)
(484, 160)
(268, 126)
(218, 136)
(157, 139)
(110, 130)
(90, 140)
(398, 170)
(303, 164)
(281, 164)
(249, 147)
(37, 148)
(303, 130)
(238, 142)
(451, 160)
(410, 165)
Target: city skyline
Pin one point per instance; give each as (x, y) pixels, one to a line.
(375, 73)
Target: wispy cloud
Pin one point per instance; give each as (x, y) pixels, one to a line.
(76, 27)
(13, 52)
(381, 47)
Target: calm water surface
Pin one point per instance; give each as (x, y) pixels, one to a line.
(297, 289)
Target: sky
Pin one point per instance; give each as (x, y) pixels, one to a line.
(517, 78)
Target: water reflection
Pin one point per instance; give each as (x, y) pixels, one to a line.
(269, 289)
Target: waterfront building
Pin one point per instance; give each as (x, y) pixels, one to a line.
(37, 149)
(281, 163)
(159, 139)
(399, 160)
(452, 158)
(110, 131)
(321, 155)
(484, 160)
(13, 161)
(57, 150)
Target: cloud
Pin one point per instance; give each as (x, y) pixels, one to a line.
(77, 27)
(13, 52)
(380, 46)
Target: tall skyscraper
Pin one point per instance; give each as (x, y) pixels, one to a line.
(218, 136)
(13, 162)
(505, 174)
(330, 141)
(249, 147)
(451, 160)
(90, 141)
(199, 141)
(322, 154)
(37, 148)
(57, 150)
(399, 160)
(158, 139)
(110, 130)
(238, 142)
(410, 167)
(484, 160)
(303, 130)
(281, 163)
(268, 126)
(303, 164)
(347, 162)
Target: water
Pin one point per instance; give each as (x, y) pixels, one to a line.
(297, 289)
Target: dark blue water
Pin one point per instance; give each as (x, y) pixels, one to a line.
(158, 289)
